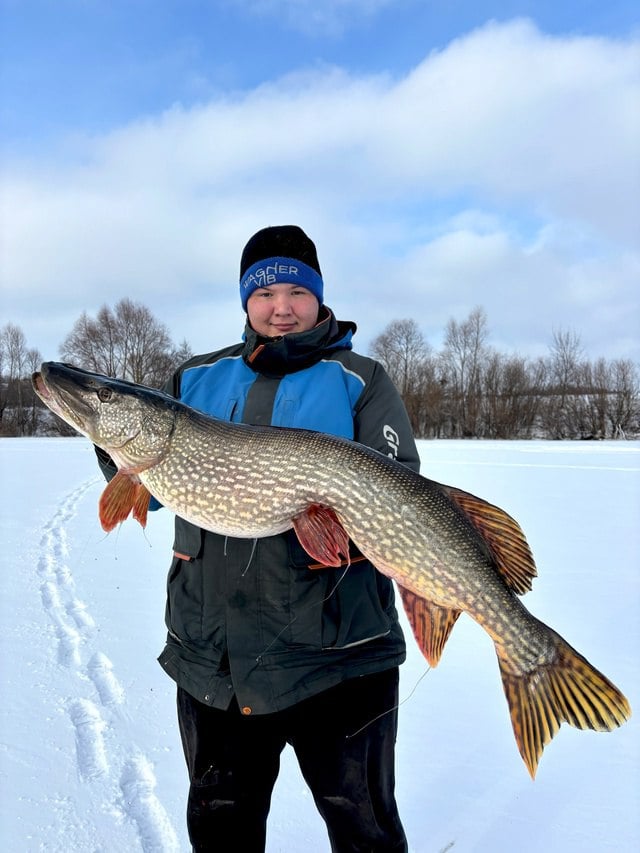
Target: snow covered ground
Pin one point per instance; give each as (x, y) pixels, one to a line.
(90, 758)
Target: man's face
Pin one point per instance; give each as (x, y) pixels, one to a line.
(281, 309)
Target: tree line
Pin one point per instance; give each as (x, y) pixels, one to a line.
(470, 390)
(125, 342)
(467, 389)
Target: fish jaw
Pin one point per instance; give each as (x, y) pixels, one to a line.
(124, 419)
(73, 409)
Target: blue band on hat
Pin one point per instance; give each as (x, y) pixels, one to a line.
(280, 270)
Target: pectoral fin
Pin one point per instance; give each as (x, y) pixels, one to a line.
(322, 535)
(123, 494)
(431, 624)
(141, 504)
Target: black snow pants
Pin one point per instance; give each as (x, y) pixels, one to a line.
(345, 751)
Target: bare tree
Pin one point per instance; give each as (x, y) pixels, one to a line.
(3, 381)
(565, 371)
(18, 404)
(401, 349)
(624, 399)
(462, 357)
(181, 354)
(566, 354)
(146, 345)
(405, 355)
(430, 414)
(587, 405)
(14, 346)
(127, 342)
(92, 344)
(509, 399)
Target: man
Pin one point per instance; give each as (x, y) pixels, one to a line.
(267, 649)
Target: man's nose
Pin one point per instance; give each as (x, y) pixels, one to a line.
(283, 305)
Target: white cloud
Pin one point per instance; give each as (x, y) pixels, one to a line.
(501, 171)
(331, 17)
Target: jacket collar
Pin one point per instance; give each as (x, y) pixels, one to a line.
(290, 353)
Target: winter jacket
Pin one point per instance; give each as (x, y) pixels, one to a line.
(250, 618)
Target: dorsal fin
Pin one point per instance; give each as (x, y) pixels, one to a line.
(503, 536)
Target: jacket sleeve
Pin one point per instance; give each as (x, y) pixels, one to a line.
(106, 463)
(381, 421)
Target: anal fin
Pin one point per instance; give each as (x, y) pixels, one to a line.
(431, 623)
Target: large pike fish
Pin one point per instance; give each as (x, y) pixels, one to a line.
(447, 550)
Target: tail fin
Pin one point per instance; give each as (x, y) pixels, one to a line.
(567, 689)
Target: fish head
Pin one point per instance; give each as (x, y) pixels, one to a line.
(131, 422)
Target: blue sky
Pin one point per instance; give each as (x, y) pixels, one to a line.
(92, 64)
(442, 155)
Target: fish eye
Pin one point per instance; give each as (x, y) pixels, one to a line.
(104, 395)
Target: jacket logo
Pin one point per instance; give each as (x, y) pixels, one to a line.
(393, 440)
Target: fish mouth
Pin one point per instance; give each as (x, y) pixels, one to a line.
(54, 384)
(40, 386)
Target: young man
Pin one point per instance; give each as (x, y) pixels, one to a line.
(267, 649)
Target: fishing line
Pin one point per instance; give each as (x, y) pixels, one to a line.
(394, 708)
(251, 555)
(304, 609)
(115, 534)
(109, 534)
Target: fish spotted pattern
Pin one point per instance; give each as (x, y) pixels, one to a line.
(448, 551)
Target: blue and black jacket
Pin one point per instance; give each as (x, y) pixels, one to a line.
(249, 618)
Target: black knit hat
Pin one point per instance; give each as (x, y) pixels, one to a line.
(277, 255)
